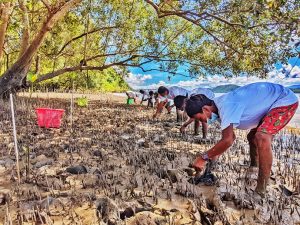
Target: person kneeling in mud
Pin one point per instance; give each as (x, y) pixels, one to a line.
(165, 99)
(263, 108)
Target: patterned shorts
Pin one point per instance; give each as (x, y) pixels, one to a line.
(277, 118)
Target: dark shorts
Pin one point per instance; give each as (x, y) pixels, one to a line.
(277, 118)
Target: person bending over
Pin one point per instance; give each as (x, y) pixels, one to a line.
(132, 95)
(144, 96)
(263, 108)
(151, 99)
(179, 102)
(165, 99)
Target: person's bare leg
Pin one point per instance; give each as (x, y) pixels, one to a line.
(264, 149)
(179, 115)
(185, 116)
(204, 129)
(196, 127)
(169, 109)
(253, 148)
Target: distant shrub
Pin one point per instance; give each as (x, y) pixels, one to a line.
(82, 102)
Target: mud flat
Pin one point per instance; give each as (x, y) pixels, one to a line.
(117, 166)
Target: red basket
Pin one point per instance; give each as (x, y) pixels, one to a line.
(49, 118)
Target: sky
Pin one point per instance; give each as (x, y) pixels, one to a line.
(285, 74)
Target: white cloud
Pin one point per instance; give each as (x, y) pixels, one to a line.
(287, 76)
(137, 80)
(153, 86)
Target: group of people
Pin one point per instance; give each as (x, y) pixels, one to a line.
(143, 96)
(262, 108)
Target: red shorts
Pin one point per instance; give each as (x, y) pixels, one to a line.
(277, 118)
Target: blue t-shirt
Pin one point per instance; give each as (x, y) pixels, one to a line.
(247, 105)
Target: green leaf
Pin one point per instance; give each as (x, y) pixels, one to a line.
(31, 77)
(82, 102)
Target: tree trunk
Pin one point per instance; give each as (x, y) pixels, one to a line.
(14, 76)
(37, 65)
(7, 61)
(26, 30)
(25, 34)
(5, 11)
(11, 81)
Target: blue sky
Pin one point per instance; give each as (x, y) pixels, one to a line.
(151, 80)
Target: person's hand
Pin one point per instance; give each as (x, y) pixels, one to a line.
(199, 164)
(182, 129)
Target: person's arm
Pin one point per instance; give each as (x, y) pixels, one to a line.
(182, 128)
(159, 108)
(144, 98)
(227, 140)
(170, 108)
(156, 101)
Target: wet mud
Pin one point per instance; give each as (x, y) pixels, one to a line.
(112, 164)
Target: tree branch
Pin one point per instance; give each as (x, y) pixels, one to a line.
(106, 55)
(82, 35)
(46, 3)
(210, 33)
(183, 15)
(159, 70)
(80, 67)
(150, 58)
(224, 20)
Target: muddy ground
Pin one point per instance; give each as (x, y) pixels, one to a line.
(110, 163)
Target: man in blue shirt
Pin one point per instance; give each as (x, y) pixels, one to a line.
(263, 108)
